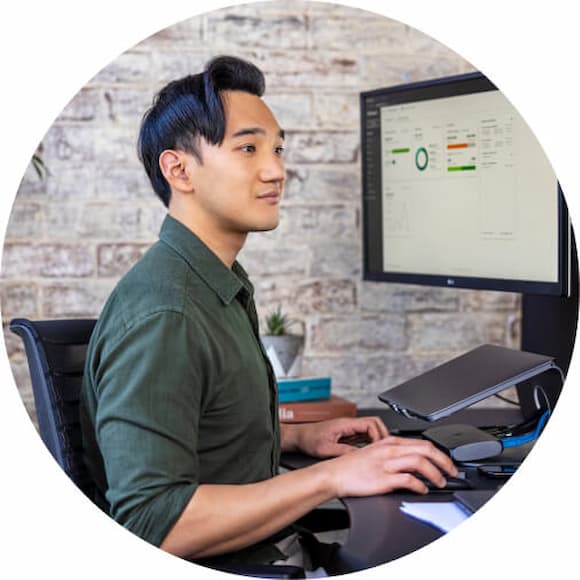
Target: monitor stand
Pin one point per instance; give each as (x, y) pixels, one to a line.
(549, 327)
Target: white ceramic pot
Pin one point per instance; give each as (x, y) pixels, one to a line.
(285, 353)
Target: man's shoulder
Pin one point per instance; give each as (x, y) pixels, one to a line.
(160, 281)
(158, 275)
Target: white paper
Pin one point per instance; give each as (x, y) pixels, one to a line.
(443, 515)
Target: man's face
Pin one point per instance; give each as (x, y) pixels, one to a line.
(239, 183)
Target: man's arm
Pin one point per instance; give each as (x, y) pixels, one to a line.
(222, 518)
(329, 438)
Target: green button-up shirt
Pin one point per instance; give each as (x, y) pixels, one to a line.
(178, 390)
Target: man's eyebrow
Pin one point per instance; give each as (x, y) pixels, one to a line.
(255, 131)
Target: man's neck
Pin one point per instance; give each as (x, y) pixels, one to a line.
(226, 246)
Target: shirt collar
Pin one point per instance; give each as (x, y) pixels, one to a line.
(224, 282)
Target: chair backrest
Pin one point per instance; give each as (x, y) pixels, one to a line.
(56, 352)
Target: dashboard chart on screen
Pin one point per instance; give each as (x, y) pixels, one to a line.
(457, 190)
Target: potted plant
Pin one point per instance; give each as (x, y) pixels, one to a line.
(283, 348)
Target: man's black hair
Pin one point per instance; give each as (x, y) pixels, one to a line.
(191, 108)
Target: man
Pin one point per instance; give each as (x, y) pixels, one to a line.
(179, 403)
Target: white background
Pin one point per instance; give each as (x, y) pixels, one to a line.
(49, 50)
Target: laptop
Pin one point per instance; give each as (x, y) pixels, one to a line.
(464, 380)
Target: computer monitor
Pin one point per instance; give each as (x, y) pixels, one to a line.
(458, 192)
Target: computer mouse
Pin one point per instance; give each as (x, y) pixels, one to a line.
(452, 484)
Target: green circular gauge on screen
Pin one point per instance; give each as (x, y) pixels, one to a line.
(421, 159)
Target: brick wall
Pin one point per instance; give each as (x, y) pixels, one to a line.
(72, 234)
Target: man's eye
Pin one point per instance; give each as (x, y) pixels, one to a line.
(279, 150)
(248, 148)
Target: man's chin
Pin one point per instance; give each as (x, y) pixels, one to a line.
(266, 226)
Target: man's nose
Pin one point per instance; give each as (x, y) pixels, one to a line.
(273, 168)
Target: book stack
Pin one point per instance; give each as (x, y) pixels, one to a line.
(309, 399)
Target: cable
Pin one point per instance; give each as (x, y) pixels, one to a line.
(515, 440)
(538, 389)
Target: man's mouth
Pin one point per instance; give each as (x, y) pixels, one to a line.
(272, 196)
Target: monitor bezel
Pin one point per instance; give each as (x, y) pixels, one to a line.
(440, 88)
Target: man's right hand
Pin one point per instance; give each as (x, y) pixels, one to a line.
(387, 465)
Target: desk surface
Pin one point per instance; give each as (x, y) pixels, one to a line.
(379, 532)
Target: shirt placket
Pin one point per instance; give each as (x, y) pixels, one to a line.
(248, 305)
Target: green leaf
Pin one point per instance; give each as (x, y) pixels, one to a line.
(39, 166)
(277, 323)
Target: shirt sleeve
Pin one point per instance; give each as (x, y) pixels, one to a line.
(150, 387)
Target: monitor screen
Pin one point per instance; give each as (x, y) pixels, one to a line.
(458, 192)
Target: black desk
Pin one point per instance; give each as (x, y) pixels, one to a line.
(379, 532)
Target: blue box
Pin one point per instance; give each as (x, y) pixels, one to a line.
(292, 390)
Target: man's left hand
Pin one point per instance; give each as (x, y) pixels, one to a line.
(333, 437)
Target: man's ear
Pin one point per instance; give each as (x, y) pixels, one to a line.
(175, 169)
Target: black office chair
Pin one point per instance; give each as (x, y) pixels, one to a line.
(56, 353)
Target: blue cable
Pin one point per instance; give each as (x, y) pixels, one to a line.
(527, 437)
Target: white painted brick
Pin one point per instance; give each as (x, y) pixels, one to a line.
(168, 65)
(126, 106)
(356, 28)
(337, 110)
(25, 222)
(336, 259)
(185, 33)
(114, 260)
(31, 186)
(116, 144)
(490, 301)
(74, 299)
(378, 72)
(317, 222)
(292, 111)
(421, 43)
(322, 183)
(322, 147)
(100, 222)
(19, 300)
(268, 8)
(119, 182)
(278, 31)
(48, 260)
(356, 333)
(442, 333)
(324, 296)
(305, 297)
(131, 67)
(379, 296)
(260, 261)
(84, 106)
(74, 180)
(306, 69)
(70, 143)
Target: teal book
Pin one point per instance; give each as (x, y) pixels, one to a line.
(292, 390)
